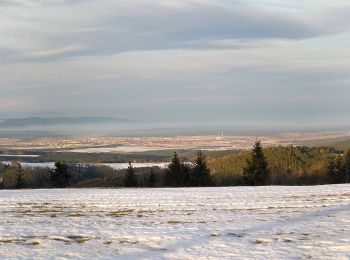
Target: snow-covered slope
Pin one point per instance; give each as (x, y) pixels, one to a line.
(199, 223)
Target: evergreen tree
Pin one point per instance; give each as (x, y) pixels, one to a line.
(186, 174)
(175, 175)
(339, 172)
(151, 182)
(60, 176)
(331, 168)
(256, 171)
(130, 177)
(347, 166)
(337, 169)
(201, 173)
(19, 184)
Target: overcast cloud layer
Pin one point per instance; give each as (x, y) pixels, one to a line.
(164, 62)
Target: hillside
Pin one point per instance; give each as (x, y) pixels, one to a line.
(288, 165)
(342, 145)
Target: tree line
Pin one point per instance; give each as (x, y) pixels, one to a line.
(292, 165)
(178, 174)
(270, 166)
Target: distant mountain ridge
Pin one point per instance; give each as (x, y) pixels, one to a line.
(48, 121)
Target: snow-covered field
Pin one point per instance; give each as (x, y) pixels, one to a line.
(190, 223)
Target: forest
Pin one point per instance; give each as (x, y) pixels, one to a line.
(291, 165)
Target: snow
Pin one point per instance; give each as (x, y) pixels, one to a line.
(50, 165)
(21, 155)
(120, 166)
(275, 222)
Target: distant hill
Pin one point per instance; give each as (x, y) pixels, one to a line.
(49, 121)
(288, 165)
(342, 145)
(325, 142)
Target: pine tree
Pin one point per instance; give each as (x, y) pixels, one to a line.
(339, 173)
(331, 168)
(130, 177)
(347, 166)
(256, 171)
(176, 174)
(201, 173)
(186, 174)
(19, 184)
(337, 169)
(151, 182)
(60, 176)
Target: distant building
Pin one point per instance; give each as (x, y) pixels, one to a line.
(220, 137)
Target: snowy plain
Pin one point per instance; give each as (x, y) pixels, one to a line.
(275, 222)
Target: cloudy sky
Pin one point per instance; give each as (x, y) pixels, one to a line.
(244, 63)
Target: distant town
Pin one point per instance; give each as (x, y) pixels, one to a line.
(142, 144)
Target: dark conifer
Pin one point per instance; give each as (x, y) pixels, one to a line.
(201, 173)
(60, 175)
(19, 184)
(339, 169)
(130, 177)
(175, 175)
(256, 171)
(151, 182)
(186, 174)
(347, 166)
(331, 168)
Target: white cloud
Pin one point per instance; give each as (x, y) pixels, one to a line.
(170, 57)
(118, 26)
(57, 51)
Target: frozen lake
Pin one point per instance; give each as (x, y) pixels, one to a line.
(20, 155)
(115, 166)
(199, 223)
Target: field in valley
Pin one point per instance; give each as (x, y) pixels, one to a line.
(232, 222)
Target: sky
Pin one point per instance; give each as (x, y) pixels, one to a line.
(171, 63)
